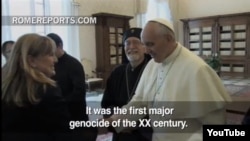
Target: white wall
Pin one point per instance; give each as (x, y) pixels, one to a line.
(202, 8)
(87, 32)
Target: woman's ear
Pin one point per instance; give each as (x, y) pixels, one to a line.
(31, 61)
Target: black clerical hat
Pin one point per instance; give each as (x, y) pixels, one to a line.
(132, 32)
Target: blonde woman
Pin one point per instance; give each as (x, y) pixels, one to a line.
(32, 105)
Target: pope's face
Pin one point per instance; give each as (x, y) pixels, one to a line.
(155, 42)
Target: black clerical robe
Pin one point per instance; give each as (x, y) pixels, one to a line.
(70, 77)
(120, 88)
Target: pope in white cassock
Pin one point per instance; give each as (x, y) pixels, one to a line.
(176, 79)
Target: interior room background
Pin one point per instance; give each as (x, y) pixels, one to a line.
(79, 41)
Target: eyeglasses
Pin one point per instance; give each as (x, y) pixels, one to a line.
(134, 42)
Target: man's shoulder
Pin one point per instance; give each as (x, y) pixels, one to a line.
(191, 59)
(72, 60)
(119, 69)
(151, 64)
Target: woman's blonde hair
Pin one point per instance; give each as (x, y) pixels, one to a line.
(20, 81)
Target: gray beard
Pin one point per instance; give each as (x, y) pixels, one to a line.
(133, 57)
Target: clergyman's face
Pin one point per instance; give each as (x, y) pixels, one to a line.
(8, 50)
(57, 53)
(134, 49)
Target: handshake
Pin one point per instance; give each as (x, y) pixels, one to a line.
(105, 129)
(112, 125)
